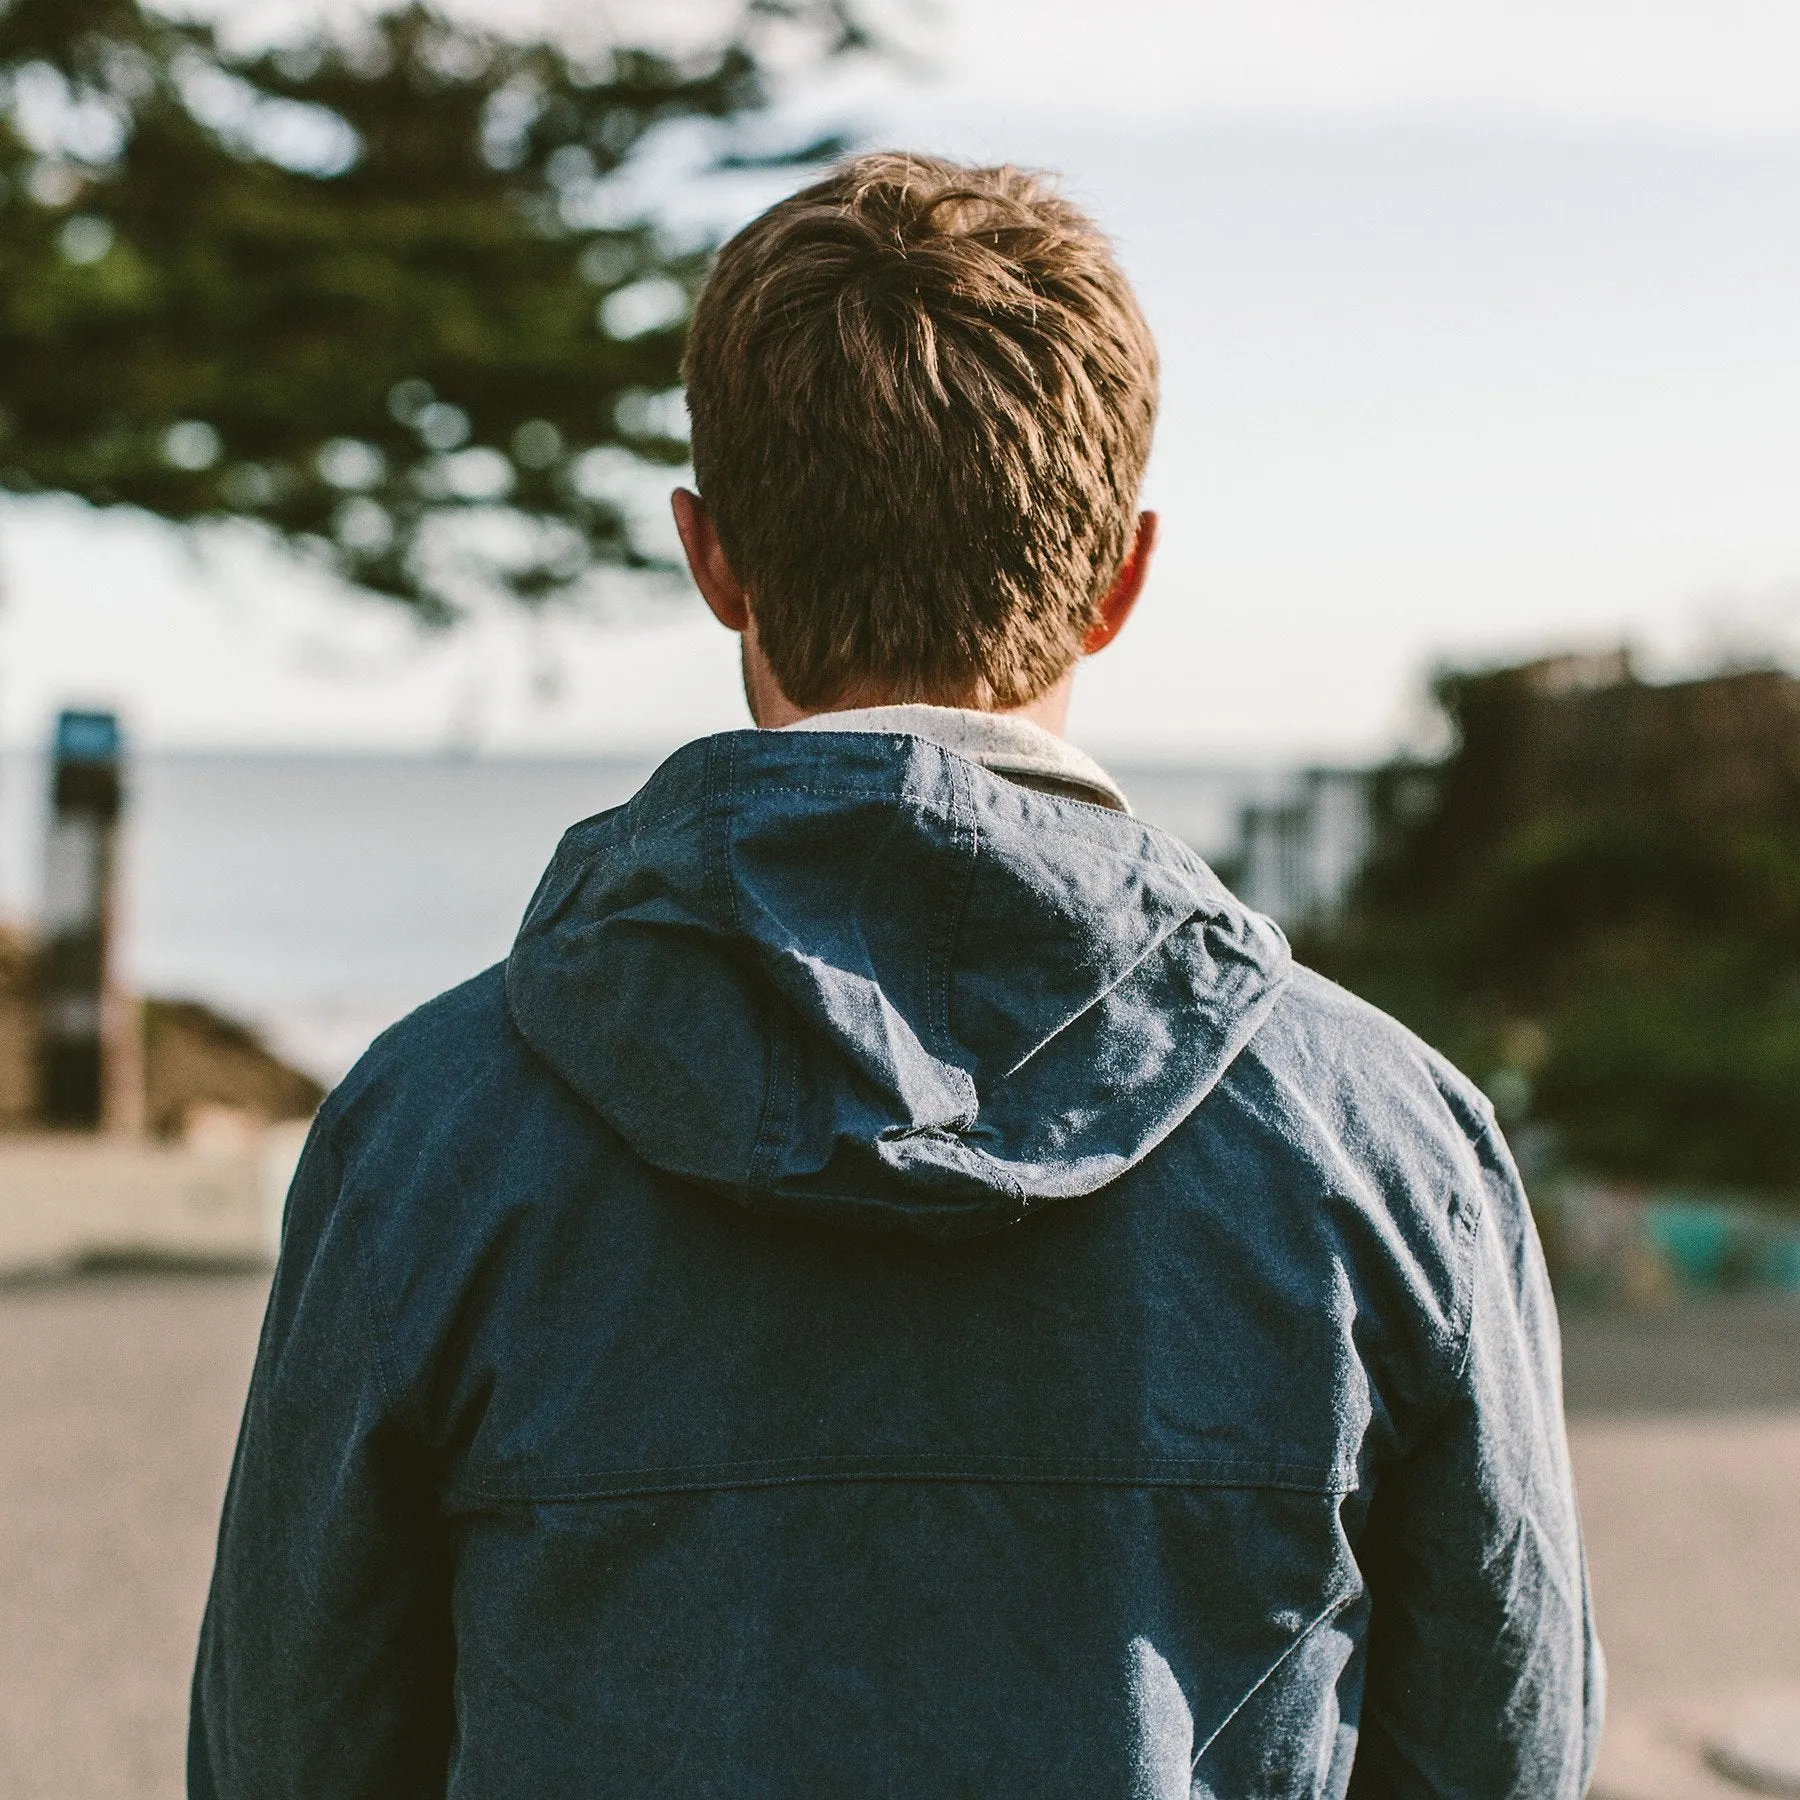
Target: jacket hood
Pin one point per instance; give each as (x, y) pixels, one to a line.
(858, 979)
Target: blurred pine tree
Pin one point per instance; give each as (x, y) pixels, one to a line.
(365, 290)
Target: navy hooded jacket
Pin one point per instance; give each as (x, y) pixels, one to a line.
(898, 1286)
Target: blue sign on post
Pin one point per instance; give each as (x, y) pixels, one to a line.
(86, 791)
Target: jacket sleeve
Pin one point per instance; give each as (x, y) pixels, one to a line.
(326, 1659)
(1484, 1675)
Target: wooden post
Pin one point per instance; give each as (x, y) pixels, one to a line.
(78, 885)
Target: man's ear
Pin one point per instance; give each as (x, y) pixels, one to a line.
(1122, 596)
(712, 573)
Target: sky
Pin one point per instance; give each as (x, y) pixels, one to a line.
(1478, 343)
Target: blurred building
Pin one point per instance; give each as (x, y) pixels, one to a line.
(1300, 852)
(1591, 904)
(1565, 734)
(1585, 737)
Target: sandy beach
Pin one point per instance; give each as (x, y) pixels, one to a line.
(119, 1398)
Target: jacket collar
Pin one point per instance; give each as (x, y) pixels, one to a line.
(1002, 743)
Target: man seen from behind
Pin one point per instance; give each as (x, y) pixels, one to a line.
(899, 1285)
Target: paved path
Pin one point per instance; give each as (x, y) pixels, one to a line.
(118, 1406)
(1685, 1428)
(119, 1400)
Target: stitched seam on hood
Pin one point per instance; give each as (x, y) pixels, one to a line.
(781, 1062)
(965, 827)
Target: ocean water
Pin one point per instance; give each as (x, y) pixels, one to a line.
(322, 897)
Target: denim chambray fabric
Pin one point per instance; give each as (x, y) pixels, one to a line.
(898, 1287)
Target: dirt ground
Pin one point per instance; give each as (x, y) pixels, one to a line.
(119, 1398)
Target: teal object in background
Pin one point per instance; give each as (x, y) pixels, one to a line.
(1713, 1244)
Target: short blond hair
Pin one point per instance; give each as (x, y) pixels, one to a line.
(922, 398)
